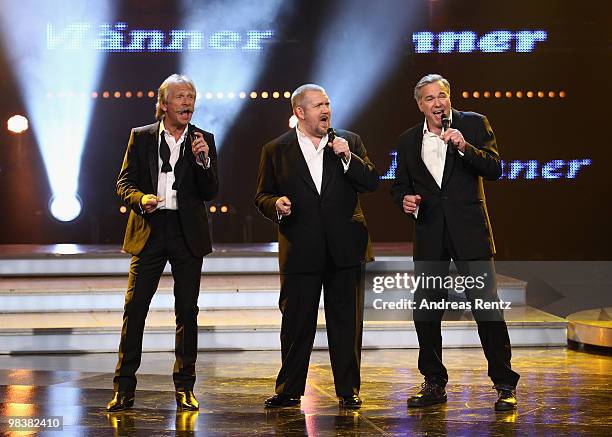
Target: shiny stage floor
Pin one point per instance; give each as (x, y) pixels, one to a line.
(562, 392)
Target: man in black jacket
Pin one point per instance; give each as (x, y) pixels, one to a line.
(309, 185)
(169, 171)
(438, 182)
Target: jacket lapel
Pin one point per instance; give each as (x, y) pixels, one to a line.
(418, 158)
(153, 154)
(330, 163)
(295, 154)
(451, 157)
(183, 158)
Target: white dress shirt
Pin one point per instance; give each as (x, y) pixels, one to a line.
(166, 180)
(314, 157)
(433, 153)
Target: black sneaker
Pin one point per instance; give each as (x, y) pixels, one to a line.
(506, 400)
(431, 394)
(350, 402)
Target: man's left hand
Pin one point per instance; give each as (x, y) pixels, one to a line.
(341, 147)
(456, 137)
(199, 145)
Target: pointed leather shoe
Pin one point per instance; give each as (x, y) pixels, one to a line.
(430, 394)
(122, 400)
(506, 400)
(282, 400)
(186, 400)
(351, 402)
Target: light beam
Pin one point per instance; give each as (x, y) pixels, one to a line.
(232, 63)
(54, 78)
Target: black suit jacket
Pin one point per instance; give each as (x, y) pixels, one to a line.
(460, 203)
(333, 219)
(139, 175)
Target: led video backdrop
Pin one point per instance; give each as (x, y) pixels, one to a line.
(84, 72)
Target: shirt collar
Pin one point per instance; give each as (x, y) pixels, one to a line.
(450, 122)
(162, 128)
(302, 138)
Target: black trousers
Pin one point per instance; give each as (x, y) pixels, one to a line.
(492, 328)
(343, 294)
(166, 243)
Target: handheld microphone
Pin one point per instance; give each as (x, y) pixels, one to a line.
(445, 126)
(331, 136)
(201, 155)
(192, 137)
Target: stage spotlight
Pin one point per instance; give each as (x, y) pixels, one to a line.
(253, 95)
(287, 95)
(275, 95)
(239, 32)
(264, 95)
(65, 207)
(212, 209)
(17, 124)
(242, 95)
(224, 209)
(123, 209)
(45, 52)
(562, 94)
(346, 38)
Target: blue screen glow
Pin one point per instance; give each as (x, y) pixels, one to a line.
(117, 38)
(467, 41)
(523, 170)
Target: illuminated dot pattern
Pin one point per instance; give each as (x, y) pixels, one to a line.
(514, 94)
(209, 95)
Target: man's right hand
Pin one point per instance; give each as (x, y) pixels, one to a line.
(283, 206)
(149, 202)
(411, 203)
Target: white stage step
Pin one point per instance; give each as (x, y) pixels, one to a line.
(82, 332)
(107, 293)
(79, 260)
(119, 264)
(56, 299)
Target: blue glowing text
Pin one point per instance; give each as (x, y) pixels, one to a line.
(117, 38)
(525, 170)
(497, 41)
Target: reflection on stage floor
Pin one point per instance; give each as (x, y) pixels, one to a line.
(561, 392)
